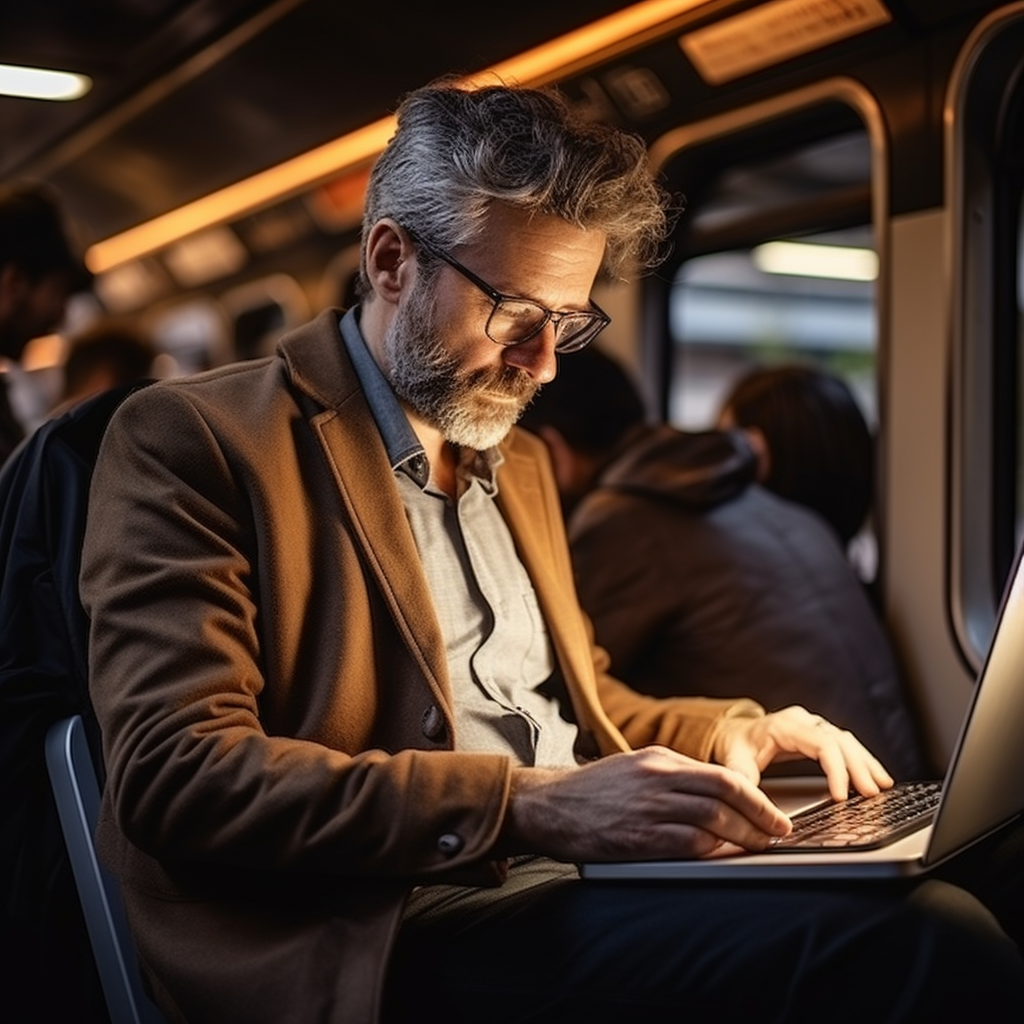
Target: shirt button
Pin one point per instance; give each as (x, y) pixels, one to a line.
(433, 724)
(449, 844)
(420, 469)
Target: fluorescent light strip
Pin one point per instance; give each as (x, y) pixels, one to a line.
(541, 65)
(605, 37)
(773, 32)
(286, 178)
(843, 263)
(42, 84)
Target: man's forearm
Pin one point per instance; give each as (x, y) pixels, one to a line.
(643, 804)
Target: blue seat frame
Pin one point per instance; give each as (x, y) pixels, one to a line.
(77, 794)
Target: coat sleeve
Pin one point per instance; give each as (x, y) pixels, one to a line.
(687, 724)
(170, 581)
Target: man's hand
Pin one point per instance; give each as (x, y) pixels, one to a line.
(643, 805)
(749, 745)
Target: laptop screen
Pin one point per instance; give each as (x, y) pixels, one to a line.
(985, 780)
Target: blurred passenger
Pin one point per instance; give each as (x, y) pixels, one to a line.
(107, 354)
(39, 272)
(700, 581)
(817, 447)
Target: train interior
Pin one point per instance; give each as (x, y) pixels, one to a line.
(214, 175)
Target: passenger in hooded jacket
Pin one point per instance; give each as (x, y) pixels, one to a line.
(700, 581)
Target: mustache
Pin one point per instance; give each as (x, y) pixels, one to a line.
(506, 380)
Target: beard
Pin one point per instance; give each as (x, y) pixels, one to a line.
(474, 409)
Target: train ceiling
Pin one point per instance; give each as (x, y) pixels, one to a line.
(189, 97)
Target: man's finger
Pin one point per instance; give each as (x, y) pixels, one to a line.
(729, 799)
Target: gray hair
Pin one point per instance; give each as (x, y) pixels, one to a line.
(456, 151)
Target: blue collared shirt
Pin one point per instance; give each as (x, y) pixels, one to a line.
(400, 440)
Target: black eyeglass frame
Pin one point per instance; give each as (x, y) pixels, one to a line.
(595, 314)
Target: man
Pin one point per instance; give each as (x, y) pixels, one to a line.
(350, 706)
(39, 272)
(699, 581)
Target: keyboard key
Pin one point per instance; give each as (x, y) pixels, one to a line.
(862, 823)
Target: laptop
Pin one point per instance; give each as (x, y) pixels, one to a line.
(983, 789)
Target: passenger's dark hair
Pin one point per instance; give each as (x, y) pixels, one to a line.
(118, 348)
(458, 150)
(821, 452)
(592, 403)
(34, 235)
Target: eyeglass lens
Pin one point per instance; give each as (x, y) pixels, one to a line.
(514, 321)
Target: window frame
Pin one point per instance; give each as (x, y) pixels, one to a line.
(985, 403)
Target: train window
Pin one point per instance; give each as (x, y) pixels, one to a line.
(190, 335)
(1018, 392)
(782, 295)
(262, 310)
(985, 114)
(779, 302)
(1009, 168)
(776, 263)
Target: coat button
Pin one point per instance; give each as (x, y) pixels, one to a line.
(433, 724)
(449, 844)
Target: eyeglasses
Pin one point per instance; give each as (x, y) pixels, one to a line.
(516, 320)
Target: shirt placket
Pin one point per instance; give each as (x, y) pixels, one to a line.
(501, 681)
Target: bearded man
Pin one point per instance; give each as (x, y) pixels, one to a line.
(356, 731)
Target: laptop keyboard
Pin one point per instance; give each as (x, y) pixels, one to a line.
(863, 822)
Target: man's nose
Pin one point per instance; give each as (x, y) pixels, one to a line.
(535, 357)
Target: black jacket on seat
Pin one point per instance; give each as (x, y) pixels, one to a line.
(48, 972)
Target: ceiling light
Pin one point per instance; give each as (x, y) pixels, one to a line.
(770, 33)
(839, 262)
(41, 84)
(605, 37)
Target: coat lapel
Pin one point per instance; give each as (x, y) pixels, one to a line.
(320, 366)
(529, 504)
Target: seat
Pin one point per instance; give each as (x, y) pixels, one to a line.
(77, 795)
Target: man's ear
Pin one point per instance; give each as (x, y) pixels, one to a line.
(760, 445)
(389, 265)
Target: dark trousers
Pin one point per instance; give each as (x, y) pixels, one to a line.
(564, 950)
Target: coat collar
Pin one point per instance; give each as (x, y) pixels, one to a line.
(317, 362)
(319, 366)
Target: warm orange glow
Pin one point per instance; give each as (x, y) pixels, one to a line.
(339, 202)
(43, 352)
(219, 207)
(600, 39)
(564, 55)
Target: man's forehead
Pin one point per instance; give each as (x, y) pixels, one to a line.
(535, 255)
(504, 219)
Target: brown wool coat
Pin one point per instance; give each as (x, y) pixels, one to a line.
(271, 683)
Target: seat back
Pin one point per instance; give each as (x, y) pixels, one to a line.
(77, 795)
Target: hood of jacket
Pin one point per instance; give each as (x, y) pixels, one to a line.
(694, 469)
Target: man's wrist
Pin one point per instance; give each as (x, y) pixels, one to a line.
(737, 716)
(522, 828)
